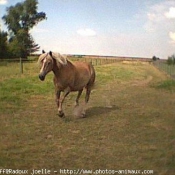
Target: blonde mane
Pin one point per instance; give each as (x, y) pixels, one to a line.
(41, 58)
(60, 59)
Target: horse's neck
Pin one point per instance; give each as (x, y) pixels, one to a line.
(58, 71)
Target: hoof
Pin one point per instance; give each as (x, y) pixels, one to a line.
(61, 114)
(83, 115)
(76, 105)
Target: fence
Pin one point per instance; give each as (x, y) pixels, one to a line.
(163, 66)
(21, 62)
(5, 62)
(95, 60)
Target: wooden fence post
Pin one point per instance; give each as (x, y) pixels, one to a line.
(96, 61)
(21, 66)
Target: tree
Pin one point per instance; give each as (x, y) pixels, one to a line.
(154, 58)
(19, 20)
(3, 44)
(171, 60)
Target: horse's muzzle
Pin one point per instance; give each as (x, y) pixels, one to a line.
(41, 77)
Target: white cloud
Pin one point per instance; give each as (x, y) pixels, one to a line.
(3, 2)
(157, 16)
(170, 13)
(86, 32)
(172, 36)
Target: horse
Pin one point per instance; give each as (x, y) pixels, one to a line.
(68, 77)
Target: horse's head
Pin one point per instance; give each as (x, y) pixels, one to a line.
(46, 62)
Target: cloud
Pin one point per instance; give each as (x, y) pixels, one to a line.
(170, 13)
(86, 32)
(172, 36)
(3, 2)
(158, 15)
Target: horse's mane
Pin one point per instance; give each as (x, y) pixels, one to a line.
(41, 57)
(60, 59)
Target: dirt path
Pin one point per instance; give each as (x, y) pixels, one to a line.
(144, 82)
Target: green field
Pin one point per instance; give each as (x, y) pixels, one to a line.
(130, 121)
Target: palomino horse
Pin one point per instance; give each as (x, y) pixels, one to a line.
(68, 77)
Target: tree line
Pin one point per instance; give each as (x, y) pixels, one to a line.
(20, 19)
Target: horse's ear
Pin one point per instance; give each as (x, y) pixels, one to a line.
(50, 53)
(43, 51)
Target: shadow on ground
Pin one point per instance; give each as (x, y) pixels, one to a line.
(98, 110)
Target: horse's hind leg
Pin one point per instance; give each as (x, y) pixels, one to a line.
(78, 97)
(88, 91)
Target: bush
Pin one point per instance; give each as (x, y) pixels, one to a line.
(171, 60)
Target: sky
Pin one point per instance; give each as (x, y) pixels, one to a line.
(136, 28)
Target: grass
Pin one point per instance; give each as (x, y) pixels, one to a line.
(168, 85)
(130, 123)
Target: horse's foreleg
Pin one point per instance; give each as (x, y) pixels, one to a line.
(78, 97)
(61, 100)
(58, 100)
